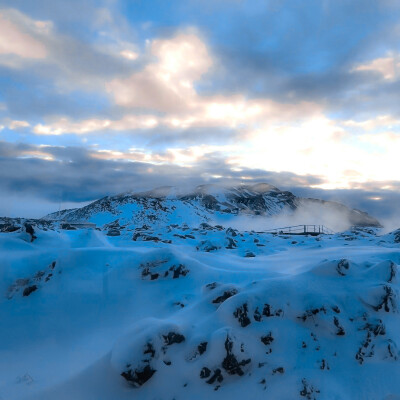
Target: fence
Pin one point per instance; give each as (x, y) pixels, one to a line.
(302, 230)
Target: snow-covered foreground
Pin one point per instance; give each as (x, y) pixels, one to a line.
(207, 313)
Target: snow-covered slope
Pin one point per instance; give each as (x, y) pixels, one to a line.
(198, 312)
(207, 203)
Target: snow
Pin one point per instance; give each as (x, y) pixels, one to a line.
(170, 316)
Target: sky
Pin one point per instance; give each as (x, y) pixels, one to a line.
(100, 97)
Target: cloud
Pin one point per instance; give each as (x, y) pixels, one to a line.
(72, 174)
(129, 54)
(380, 121)
(277, 87)
(129, 122)
(25, 33)
(18, 124)
(216, 112)
(387, 67)
(164, 94)
(187, 157)
(69, 62)
(379, 199)
(38, 178)
(167, 84)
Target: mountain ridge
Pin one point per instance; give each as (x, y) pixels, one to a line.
(170, 204)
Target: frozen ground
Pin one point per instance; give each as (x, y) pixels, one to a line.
(198, 313)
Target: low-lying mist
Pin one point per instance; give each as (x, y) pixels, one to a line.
(308, 214)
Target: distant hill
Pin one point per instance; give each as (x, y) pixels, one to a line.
(169, 205)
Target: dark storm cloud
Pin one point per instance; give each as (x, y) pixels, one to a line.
(74, 175)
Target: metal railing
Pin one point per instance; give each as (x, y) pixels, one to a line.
(302, 230)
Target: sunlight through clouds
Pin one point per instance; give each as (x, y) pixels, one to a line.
(130, 87)
(276, 136)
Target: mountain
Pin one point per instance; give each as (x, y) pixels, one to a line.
(210, 203)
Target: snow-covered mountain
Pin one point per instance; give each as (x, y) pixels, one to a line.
(167, 205)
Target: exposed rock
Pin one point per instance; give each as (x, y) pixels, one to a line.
(308, 391)
(138, 376)
(257, 316)
(268, 312)
(207, 246)
(172, 338)
(29, 229)
(230, 243)
(205, 373)
(226, 295)
(311, 313)
(217, 376)
(154, 270)
(340, 331)
(388, 301)
(212, 285)
(230, 363)
(178, 271)
(30, 289)
(267, 339)
(231, 232)
(113, 232)
(241, 314)
(9, 227)
(202, 347)
(396, 236)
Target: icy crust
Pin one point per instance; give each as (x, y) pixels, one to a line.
(191, 315)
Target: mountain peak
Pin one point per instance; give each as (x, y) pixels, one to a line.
(168, 205)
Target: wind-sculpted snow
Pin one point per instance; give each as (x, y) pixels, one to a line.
(184, 312)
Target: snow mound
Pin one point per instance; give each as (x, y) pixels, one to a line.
(192, 315)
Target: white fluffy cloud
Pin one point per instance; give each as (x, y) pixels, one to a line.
(166, 90)
(166, 84)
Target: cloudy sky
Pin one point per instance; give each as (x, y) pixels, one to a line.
(99, 97)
